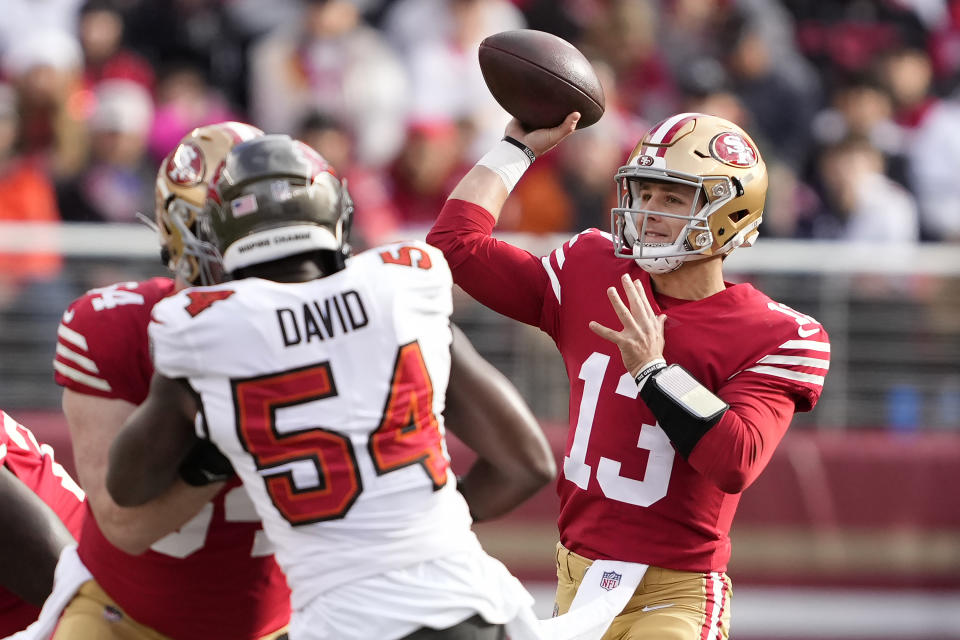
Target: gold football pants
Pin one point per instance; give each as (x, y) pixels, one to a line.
(93, 615)
(668, 604)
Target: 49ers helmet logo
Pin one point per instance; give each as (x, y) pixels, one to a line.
(733, 149)
(185, 166)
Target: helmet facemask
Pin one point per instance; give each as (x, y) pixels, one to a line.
(629, 220)
(194, 261)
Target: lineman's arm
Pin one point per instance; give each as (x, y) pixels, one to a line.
(145, 457)
(94, 423)
(487, 413)
(30, 540)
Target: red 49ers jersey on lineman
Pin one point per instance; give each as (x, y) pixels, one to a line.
(216, 577)
(326, 396)
(625, 493)
(33, 463)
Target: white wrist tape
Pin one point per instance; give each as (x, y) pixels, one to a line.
(647, 370)
(508, 161)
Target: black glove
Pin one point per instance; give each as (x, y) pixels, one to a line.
(205, 465)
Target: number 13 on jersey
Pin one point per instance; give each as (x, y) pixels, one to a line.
(656, 479)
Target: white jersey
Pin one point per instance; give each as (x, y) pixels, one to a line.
(327, 396)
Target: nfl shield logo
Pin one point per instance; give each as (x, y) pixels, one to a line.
(610, 580)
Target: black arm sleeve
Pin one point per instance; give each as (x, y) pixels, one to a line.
(684, 408)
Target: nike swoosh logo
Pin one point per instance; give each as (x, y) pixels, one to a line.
(68, 316)
(654, 607)
(806, 333)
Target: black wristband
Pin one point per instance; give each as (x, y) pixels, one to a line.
(653, 368)
(205, 464)
(531, 156)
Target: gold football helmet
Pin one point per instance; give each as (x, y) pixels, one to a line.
(181, 189)
(716, 157)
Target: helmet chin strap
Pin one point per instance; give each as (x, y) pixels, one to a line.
(659, 265)
(664, 264)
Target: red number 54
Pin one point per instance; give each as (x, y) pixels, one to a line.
(408, 434)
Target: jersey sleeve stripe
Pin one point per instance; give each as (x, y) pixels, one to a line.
(83, 361)
(789, 374)
(12, 427)
(59, 472)
(560, 257)
(81, 377)
(72, 337)
(795, 360)
(554, 282)
(812, 345)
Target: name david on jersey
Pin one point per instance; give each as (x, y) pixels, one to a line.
(321, 319)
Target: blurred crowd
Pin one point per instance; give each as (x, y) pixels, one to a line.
(855, 104)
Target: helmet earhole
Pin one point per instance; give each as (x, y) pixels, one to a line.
(737, 216)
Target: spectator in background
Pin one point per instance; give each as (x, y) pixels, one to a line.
(944, 46)
(331, 60)
(45, 69)
(775, 90)
(25, 191)
(26, 195)
(932, 141)
(118, 179)
(409, 23)
(565, 18)
(862, 203)
(428, 166)
(625, 36)
(200, 32)
(690, 30)
(840, 37)
(438, 40)
(375, 219)
(22, 19)
(185, 100)
(101, 29)
(706, 88)
(860, 106)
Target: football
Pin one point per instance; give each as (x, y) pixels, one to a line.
(539, 78)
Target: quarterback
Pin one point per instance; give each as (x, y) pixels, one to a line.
(215, 576)
(681, 384)
(43, 510)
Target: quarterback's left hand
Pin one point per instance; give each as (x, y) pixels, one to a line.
(641, 339)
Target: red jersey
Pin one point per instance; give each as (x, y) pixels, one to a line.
(215, 578)
(33, 463)
(625, 493)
